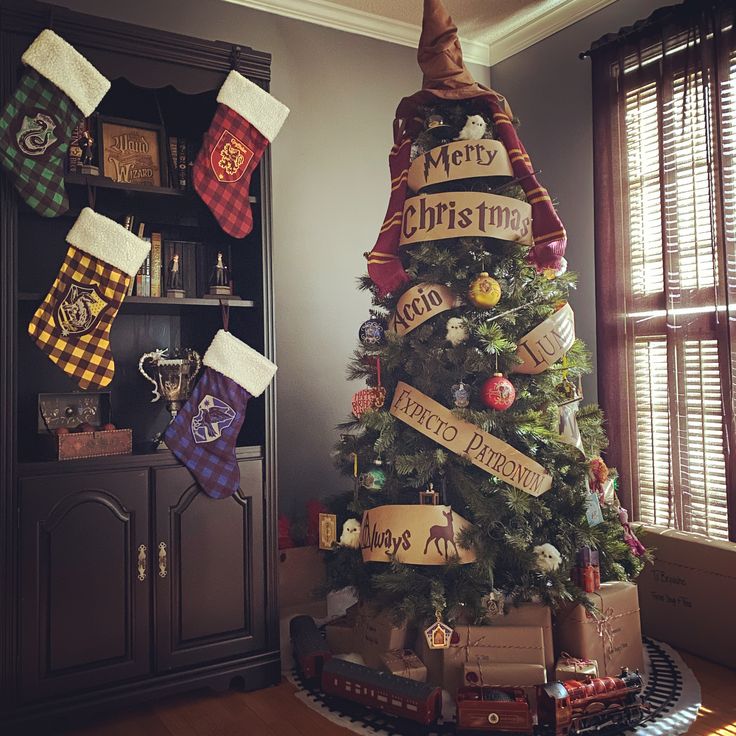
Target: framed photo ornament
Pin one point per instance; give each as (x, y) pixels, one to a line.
(132, 152)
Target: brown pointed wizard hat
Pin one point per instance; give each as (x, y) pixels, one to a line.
(440, 58)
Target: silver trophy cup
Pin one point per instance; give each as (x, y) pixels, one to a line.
(172, 378)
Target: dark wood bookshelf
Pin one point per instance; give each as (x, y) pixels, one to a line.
(165, 303)
(104, 182)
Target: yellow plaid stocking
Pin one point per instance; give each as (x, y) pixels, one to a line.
(72, 325)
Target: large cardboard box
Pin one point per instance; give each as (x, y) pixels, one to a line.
(611, 636)
(484, 671)
(301, 572)
(375, 633)
(689, 595)
(531, 614)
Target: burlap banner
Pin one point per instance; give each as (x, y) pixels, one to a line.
(420, 303)
(463, 438)
(416, 535)
(547, 342)
(459, 160)
(464, 215)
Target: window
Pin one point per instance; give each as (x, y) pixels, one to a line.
(665, 140)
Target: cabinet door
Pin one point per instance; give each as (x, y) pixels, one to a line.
(85, 609)
(209, 569)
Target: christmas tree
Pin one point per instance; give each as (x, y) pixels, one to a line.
(473, 373)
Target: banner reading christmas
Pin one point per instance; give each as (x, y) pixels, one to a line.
(418, 304)
(413, 534)
(547, 342)
(465, 215)
(463, 438)
(459, 160)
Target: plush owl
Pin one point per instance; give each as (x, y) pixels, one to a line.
(474, 129)
(350, 536)
(457, 332)
(548, 557)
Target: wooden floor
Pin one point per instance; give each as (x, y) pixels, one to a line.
(276, 712)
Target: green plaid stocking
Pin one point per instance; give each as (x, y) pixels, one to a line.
(57, 89)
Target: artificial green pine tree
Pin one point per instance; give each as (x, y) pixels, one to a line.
(507, 523)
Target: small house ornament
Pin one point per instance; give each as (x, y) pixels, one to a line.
(438, 635)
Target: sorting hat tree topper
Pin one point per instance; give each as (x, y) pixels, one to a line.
(469, 277)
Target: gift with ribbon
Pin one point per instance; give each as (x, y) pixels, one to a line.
(499, 644)
(610, 634)
(376, 633)
(574, 668)
(404, 663)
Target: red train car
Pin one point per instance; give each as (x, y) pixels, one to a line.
(396, 696)
(310, 649)
(493, 710)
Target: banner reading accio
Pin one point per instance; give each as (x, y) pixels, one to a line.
(420, 303)
(485, 451)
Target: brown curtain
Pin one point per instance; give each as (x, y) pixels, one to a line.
(664, 116)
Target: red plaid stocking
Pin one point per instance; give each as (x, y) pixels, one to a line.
(246, 121)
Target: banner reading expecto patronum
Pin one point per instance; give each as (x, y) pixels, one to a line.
(547, 342)
(465, 215)
(463, 438)
(413, 534)
(459, 160)
(420, 303)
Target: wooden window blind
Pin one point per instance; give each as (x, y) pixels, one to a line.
(665, 137)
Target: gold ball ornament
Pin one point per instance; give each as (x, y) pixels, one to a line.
(484, 291)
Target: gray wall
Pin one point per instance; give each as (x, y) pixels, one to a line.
(330, 188)
(549, 89)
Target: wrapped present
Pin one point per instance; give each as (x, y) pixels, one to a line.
(572, 668)
(531, 614)
(301, 573)
(588, 556)
(611, 635)
(405, 663)
(502, 644)
(341, 635)
(588, 578)
(376, 633)
(484, 671)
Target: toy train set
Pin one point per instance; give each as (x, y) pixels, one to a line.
(599, 705)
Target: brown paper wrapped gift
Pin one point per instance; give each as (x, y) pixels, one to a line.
(341, 636)
(502, 644)
(484, 671)
(404, 663)
(531, 614)
(572, 668)
(376, 633)
(611, 636)
(301, 572)
(689, 593)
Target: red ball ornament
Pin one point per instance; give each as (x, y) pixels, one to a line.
(498, 392)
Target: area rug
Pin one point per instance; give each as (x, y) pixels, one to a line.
(671, 691)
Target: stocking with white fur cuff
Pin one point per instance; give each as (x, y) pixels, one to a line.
(72, 325)
(58, 88)
(204, 434)
(247, 119)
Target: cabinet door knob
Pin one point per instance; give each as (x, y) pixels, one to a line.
(162, 559)
(142, 562)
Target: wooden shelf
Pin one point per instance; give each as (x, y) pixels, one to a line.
(103, 182)
(162, 303)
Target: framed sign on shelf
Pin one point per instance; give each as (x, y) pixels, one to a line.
(132, 152)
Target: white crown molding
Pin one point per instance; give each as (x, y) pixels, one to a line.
(511, 40)
(332, 15)
(506, 40)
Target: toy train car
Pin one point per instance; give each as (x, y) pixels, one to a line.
(397, 696)
(310, 649)
(491, 709)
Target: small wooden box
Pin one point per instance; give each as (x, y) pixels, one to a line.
(77, 445)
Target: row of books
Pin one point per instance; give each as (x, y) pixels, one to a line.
(182, 155)
(196, 264)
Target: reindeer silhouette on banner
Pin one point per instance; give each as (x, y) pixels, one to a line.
(442, 532)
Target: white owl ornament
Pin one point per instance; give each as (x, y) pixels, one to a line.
(474, 129)
(548, 557)
(457, 332)
(350, 536)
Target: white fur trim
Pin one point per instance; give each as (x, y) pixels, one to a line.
(103, 238)
(239, 362)
(257, 106)
(58, 61)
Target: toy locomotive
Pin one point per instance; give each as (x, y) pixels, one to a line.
(570, 708)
